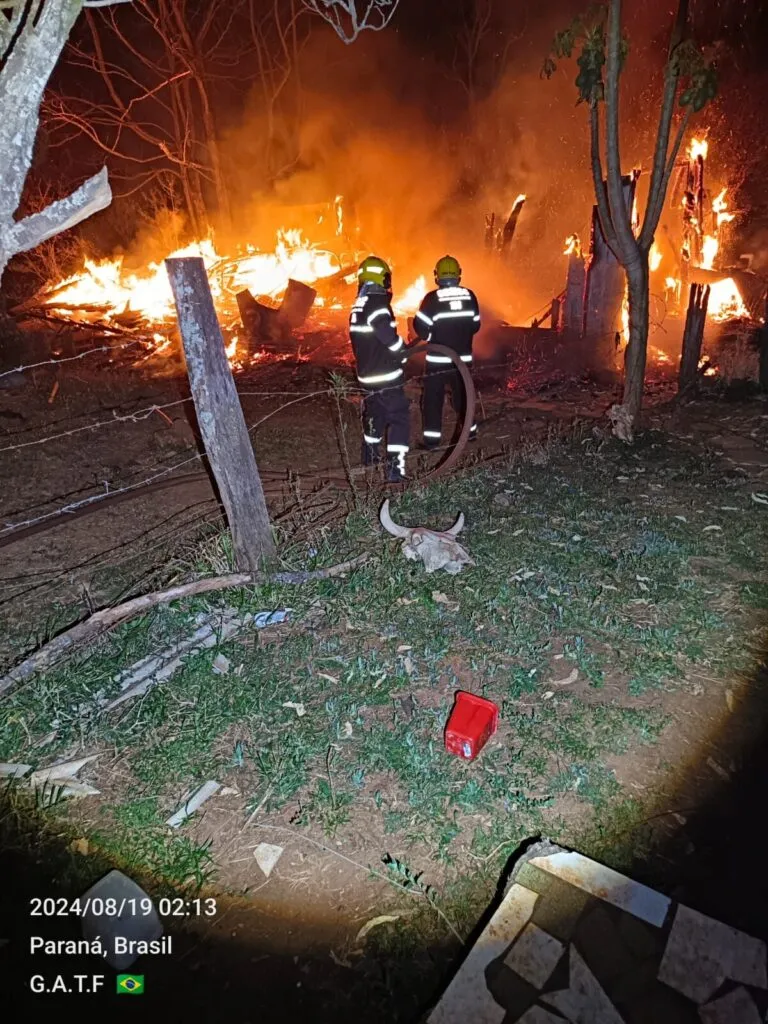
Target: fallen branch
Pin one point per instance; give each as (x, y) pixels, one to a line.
(106, 619)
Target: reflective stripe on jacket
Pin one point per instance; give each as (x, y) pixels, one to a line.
(450, 317)
(378, 348)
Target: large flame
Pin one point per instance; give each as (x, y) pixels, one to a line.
(410, 300)
(104, 283)
(698, 148)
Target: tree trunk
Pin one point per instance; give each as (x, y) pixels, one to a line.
(212, 144)
(637, 349)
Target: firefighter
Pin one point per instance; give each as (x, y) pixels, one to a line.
(449, 315)
(380, 355)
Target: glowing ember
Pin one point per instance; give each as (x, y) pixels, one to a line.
(698, 148)
(411, 298)
(519, 201)
(339, 214)
(572, 246)
(654, 257)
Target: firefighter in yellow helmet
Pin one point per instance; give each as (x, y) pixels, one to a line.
(449, 315)
(380, 356)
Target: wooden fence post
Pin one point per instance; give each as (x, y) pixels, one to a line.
(220, 415)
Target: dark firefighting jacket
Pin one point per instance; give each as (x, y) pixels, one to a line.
(379, 349)
(449, 316)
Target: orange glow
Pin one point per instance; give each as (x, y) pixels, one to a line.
(625, 317)
(654, 258)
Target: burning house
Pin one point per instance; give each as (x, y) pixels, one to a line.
(593, 304)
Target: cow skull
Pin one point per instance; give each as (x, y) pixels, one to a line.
(437, 550)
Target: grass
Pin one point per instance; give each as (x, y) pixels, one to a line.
(630, 567)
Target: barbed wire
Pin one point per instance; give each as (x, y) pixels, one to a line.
(143, 414)
(71, 359)
(165, 471)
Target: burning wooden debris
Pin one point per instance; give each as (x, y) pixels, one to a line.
(498, 239)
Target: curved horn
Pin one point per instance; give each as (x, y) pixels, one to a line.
(458, 526)
(389, 525)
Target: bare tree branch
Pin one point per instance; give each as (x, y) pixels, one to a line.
(347, 23)
(93, 196)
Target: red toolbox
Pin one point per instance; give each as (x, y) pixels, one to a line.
(470, 725)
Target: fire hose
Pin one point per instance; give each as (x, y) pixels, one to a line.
(457, 450)
(449, 462)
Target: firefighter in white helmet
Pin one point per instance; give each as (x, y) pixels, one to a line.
(449, 315)
(380, 357)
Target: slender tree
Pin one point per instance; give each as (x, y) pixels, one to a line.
(689, 84)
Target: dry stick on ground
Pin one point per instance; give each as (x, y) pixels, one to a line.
(378, 874)
(108, 618)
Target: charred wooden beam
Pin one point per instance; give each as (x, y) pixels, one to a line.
(261, 323)
(508, 231)
(490, 231)
(297, 302)
(693, 335)
(572, 319)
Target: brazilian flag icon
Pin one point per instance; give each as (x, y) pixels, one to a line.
(130, 984)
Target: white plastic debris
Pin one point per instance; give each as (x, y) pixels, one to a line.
(193, 803)
(297, 706)
(221, 665)
(267, 856)
(58, 780)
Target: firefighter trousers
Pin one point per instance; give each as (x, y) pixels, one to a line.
(386, 421)
(437, 377)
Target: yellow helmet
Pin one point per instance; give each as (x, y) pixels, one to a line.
(447, 269)
(374, 271)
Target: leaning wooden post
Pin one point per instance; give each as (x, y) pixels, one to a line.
(220, 415)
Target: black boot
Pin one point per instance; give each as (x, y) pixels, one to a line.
(395, 467)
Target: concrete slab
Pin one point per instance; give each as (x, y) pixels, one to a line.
(467, 996)
(608, 885)
(534, 955)
(584, 1002)
(701, 953)
(738, 1007)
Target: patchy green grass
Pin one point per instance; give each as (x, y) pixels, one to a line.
(602, 578)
